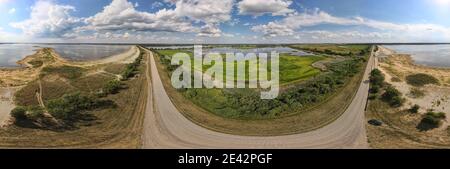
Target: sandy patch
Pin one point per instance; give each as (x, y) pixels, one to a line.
(6, 104)
(437, 97)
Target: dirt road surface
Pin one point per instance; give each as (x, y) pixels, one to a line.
(166, 127)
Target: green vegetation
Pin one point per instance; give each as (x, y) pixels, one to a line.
(431, 120)
(343, 50)
(414, 109)
(19, 113)
(112, 87)
(68, 72)
(70, 106)
(393, 97)
(132, 68)
(421, 79)
(292, 68)
(376, 81)
(246, 103)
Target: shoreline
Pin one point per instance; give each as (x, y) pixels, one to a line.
(396, 67)
(414, 63)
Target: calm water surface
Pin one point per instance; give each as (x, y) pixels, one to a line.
(88, 52)
(428, 55)
(11, 53)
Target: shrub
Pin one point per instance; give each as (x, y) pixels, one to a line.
(421, 79)
(374, 89)
(392, 96)
(376, 78)
(414, 109)
(431, 120)
(19, 113)
(112, 87)
(131, 68)
(69, 106)
(373, 96)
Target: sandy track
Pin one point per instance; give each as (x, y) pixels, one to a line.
(6, 104)
(166, 127)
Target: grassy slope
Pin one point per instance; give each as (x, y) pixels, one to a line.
(115, 127)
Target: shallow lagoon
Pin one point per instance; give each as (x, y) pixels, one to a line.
(88, 52)
(11, 53)
(428, 55)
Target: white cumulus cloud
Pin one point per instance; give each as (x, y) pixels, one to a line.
(293, 23)
(12, 11)
(261, 7)
(48, 20)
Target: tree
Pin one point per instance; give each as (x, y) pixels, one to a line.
(376, 78)
(392, 96)
(414, 109)
(431, 120)
(19, 113)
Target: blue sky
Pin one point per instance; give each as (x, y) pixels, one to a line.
(225, 21)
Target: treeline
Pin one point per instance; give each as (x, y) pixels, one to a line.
(331, 52)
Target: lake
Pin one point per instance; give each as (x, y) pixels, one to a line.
(88, 52)
(428, 55)
(11, 53)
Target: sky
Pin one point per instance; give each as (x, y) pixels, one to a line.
(224, 21)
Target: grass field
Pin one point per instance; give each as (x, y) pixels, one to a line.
(113, 127)
(292, 68)
(211, 108)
